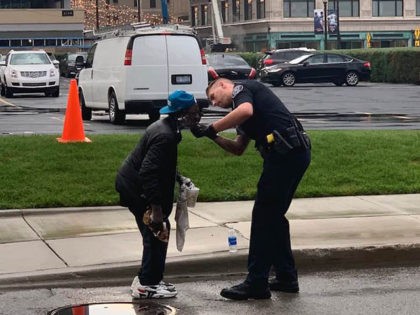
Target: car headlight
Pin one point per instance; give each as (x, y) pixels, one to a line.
(13, 73)
(274, 70)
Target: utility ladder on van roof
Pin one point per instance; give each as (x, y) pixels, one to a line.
(141, 28)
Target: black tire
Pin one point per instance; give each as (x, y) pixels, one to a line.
(56, 93)
(7, 92)
(154, 115)
(116, 116)
(352, 78)
(2, 92)
(288, 79)
(86, 112)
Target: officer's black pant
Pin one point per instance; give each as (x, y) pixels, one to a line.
(270, 236)
(154, 252)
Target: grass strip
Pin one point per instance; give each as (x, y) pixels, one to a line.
(37, 171)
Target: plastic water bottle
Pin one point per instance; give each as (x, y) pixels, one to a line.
(232, 241)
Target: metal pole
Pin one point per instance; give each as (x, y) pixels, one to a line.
(97, 15)
(325, 25)
(138, 11)
(338, 25)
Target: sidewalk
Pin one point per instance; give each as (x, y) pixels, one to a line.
(88, 243)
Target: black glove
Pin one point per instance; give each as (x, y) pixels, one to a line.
(202, 130)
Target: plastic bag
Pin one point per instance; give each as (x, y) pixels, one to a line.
(188, 194)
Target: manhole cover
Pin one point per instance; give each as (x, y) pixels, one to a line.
(145, 308)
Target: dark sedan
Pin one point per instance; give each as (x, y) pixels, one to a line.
(319, 67)
(68, 66)
(229, 66)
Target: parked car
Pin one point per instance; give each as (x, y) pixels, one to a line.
(133, 72)
(68, 66)
(30, 71)
(230, 66)
(274, 57)
(54, 60)
(320, 67)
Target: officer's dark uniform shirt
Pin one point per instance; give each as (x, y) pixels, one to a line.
(269, 111)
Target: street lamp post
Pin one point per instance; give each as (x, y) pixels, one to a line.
(97, 15)
(325, 25)
(138, 10)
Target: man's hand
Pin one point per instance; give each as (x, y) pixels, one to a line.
(202, 130)
(153, 218)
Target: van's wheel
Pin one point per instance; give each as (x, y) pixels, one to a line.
(154, 115)
(86, 112)
(288, 79)
(2, 92)
(352, 78)
(116, 116)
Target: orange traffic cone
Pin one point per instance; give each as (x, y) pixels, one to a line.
(73, 125)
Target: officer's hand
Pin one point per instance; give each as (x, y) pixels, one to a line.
(202, 130)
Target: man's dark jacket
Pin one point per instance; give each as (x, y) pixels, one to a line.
(147, 176)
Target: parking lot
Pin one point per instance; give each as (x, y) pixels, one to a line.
(319, 106)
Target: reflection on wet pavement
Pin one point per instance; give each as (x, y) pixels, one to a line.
(115, 308)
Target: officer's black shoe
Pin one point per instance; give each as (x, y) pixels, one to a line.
(289, 287)
(245, 291)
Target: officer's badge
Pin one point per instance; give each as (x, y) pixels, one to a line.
(236, 90)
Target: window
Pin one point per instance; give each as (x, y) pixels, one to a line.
(346, 7)
(387, 7)
(335, 59)
(315, 59)
(152, 4)
(224, 9)
(194, 16)
(204, 14)
(248, 9)
(418, 7)
(236, 10)
(261, 9)
(298, 8)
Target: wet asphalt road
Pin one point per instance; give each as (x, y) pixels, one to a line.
(385, 291)
(319, 106)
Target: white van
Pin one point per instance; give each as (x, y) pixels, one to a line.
(133, 72)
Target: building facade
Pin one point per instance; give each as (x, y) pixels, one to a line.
(67, 25)
(256, 25)
(51, 25)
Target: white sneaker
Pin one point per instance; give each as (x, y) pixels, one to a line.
(168, 285)
(159, 291)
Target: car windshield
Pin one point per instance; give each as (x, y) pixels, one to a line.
(226, 60)
(298, 59)
(29, 59)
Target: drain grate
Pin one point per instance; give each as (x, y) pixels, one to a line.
(115, 308)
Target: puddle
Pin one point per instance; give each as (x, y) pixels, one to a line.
(27, 109)
(115, 308)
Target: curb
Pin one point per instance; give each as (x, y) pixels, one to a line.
(216, 265)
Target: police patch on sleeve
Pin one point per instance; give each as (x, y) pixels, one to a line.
(236, 90)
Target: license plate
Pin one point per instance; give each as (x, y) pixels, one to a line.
(181, 79)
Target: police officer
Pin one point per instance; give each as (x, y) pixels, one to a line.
(258, 114)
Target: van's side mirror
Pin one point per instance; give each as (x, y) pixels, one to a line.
(56, 63)
(306, 63)
(2, 63)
